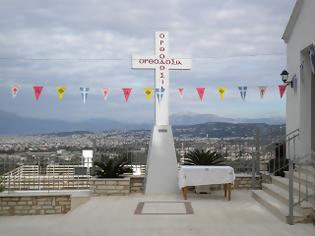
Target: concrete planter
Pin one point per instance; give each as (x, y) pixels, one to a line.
(117, 186)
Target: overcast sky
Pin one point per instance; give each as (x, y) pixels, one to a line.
(216, 34)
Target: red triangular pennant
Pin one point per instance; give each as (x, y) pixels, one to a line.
(262, 91)
(201, 92)
(181, 92)
(14, 90)
(282, 89)
(127, 92)
(105, 92)
(37, 91)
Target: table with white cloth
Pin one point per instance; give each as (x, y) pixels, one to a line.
(206, 175)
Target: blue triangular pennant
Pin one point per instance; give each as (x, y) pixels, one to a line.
(84, 93)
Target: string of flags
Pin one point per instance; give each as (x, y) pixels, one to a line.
(159, 92)
(242, 90)
(105, 92)
(148, 92)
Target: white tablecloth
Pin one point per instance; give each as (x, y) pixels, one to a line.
(205, 175)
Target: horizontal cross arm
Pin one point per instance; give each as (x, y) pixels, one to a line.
(181, 63)
(141, 62)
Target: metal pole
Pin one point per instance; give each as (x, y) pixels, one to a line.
(279, 159)
(253, 171)
(291, 201)
(274, 160)
(257, 151)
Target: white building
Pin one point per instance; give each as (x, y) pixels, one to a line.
(299, 36)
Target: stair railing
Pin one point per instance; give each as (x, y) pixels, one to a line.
(288, 141)
(308, 195)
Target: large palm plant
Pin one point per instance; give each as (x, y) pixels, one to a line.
(112, 168)
(203, 158)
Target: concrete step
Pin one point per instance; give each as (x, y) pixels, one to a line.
(278, 208)
(277, 192)
(307, 169)
(284, 183)
(281, 194)
(305, 179)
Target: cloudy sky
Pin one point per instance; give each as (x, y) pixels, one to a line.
(79, 43)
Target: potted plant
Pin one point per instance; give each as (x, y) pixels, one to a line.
(203, 158)
(112, 167)
(110, 179)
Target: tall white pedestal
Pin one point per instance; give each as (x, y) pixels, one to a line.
(161, 173)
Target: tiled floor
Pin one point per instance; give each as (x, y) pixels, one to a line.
(164, 208)
(107, 216)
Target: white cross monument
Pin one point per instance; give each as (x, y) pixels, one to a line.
(161, 173)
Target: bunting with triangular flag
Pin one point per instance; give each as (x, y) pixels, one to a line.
(181, 92)
(221, 91)
(282, 89)
(262, 91)
(162, 92)
(105, 92)
(148, 93)
(14, 90)
(60, 92)
(127, 92)
(84, 93)
(37, 90)
(159, 92)
(243, 90)
(201, 92)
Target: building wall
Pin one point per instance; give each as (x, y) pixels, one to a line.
(299, 104)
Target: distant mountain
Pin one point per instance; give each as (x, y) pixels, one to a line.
(196, 118)
(224, 130)
(65, 134)
(12, 124)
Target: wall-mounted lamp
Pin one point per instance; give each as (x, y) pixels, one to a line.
(285, 78)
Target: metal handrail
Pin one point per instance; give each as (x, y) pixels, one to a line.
(296, 164)
(283, 138)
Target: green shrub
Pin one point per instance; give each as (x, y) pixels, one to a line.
(112, 168)
(203, 158)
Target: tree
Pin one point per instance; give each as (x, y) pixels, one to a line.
(112, 167)
(203, 158)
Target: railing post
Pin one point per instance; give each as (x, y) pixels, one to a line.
(291, 201)
(257, 153)
(9, 188)
(253, 171)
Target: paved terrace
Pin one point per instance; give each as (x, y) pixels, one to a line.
(115, 215)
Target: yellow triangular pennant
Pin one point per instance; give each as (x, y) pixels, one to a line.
(148, 93)
(61, 91)
(221, 92)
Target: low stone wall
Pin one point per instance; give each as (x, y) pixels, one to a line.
(34, 204)
(241, 182)
(245, 182)
(110, 186)
(137, 184)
